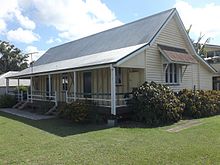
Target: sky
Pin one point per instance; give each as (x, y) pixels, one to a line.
(37, 25)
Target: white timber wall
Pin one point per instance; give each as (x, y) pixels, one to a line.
(205, 78)
(172, 36)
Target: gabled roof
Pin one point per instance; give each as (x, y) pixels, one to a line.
(107, 47)
(139, 32)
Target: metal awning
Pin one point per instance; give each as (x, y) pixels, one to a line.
(176, 55)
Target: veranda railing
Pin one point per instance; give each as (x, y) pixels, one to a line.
(102, 99)
(42, 96)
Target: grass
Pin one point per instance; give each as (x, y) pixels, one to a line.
(56, 141)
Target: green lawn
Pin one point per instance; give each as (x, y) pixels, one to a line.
(56, 141)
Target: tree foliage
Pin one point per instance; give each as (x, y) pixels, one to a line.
(200, 47)
(11, 58)
(198, 44)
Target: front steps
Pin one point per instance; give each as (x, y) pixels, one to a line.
(52, 111)
(40, 107)
(18, 104)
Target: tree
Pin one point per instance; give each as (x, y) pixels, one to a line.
(11, 58)
(198, 45)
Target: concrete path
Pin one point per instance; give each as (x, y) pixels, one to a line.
(25, 114)
(187, 124)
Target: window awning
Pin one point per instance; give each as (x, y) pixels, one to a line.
(176, 55)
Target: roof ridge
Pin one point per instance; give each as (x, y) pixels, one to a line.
(141, 19)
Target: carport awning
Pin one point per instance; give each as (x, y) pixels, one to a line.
(176, 55)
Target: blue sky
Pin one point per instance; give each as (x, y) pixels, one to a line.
(37, 25)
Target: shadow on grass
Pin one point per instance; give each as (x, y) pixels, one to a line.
(56, 126)
(134, 124)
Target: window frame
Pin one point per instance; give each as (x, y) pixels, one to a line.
(65, 82)
(172, 73)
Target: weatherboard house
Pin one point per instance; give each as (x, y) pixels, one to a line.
(106, 66)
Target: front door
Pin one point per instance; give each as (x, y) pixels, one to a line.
(87, 84)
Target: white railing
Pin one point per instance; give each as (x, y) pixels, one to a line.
(102, 99)
(42, 96)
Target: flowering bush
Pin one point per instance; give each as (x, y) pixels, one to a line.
(200, 103)
(155, 104)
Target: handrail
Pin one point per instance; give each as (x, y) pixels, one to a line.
(43, 96)
(104, 101)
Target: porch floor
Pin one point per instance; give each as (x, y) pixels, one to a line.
(25, 114)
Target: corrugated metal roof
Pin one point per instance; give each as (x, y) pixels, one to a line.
(12, 82)
(178, 55)
(84, 61)
(135, 33)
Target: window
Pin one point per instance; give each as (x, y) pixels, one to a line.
(210, 54)
(172, 73)
(65, 82)
(217, 53)
(118, 76)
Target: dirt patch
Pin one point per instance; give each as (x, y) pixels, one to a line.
(185, 125)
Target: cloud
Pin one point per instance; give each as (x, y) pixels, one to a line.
(3, 26)
(21, 35)
(24, 21)
(11, 10)
(52, 40)
(203, 19)
(76, 19)
(36, 53)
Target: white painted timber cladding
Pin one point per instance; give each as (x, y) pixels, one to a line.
(205, 79)
(135, 62)
(171, 36)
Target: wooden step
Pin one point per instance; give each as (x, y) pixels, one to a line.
(52, 110)
(23, 105)
(18, 104)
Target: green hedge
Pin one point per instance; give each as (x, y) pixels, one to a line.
(155, 104)
(200, 103)
(7, 101)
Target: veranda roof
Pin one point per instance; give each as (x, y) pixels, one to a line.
(86, 61)
(12, 83)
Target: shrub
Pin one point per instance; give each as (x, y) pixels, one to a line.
(81, 111)
(7, 101)
(200, 103)
(155, 104)
(76, 111)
